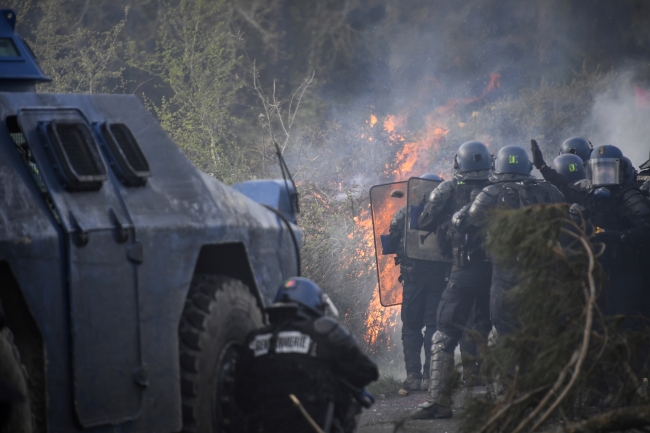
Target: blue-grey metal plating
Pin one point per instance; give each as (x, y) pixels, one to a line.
(19, 69)
(105, 272)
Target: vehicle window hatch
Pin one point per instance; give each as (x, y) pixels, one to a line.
(75, 154)
(124, 153)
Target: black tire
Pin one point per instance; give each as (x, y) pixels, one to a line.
(218, 314)
(15, 410)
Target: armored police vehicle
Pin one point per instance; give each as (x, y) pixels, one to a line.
(128, 277)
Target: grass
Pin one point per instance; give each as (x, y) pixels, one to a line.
(385, 385)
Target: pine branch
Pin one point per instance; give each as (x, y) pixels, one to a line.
(622, 419)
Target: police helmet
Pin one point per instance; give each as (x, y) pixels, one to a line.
(577, 146)
(512, 160)
(473, 160)
(431, 176)
(570, 167)
(303, 294)
(606, 166)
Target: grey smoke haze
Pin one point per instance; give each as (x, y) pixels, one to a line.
(621, 118)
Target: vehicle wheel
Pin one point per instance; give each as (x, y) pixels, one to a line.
(15, 411)
(219, 312)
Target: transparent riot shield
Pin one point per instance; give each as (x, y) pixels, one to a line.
(420, 245)
(385, 201)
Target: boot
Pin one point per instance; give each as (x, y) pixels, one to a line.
(495, 389)
(413, 382)
(438, 404)
(471, 371)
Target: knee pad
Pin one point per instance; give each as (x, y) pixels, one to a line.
(444, 342)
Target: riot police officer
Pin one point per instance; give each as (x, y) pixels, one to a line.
(621, 214)
(513, 187)
(578, 146)
(308, 355)
(567, 169)
(468, 289)
(570, 167)
(423, 283)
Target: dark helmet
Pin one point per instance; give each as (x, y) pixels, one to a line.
(431, 176)
(577, 146)
(512, 160)
(570, 167)
(302, 293)
(473, 160)
(606, 151)
(606, 166)
(630, 171)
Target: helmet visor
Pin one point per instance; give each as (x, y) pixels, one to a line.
(604, 171)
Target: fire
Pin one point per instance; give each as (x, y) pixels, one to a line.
(414, 158)
(416, 153)
(379, 320)
(389, 124)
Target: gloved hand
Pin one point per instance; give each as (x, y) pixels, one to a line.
(538, 159)
(365, 398)
(577, 214)
(610, 238)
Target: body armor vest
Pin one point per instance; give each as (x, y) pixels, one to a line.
(617, 215)
(516, 195)
(466, 248)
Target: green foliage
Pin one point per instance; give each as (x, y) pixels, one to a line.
(78, 59)
(565, 357)
(195, 57)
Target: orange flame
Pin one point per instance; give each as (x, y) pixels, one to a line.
(411, 160)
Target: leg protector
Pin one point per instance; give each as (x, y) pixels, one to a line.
(442, 378)
(442, 370)
(428, 341)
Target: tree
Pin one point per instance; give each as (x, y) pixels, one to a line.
(77, 58)
(195, 58)
(565, 357)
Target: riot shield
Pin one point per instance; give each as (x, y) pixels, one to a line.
(385, 201)
(420, 245)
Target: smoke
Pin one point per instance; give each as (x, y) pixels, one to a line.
(620, 116)
(430, 75)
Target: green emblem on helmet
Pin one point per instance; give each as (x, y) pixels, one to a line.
(573, 167)
(513, 159)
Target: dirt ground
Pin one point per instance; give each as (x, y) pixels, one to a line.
(392, 410)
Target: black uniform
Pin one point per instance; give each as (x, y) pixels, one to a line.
(423, 283)
(468, 289)
(307, 358)
(573, 192)
(625, 219)
(510, 192)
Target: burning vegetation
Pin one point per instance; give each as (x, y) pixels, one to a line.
(397, 90)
